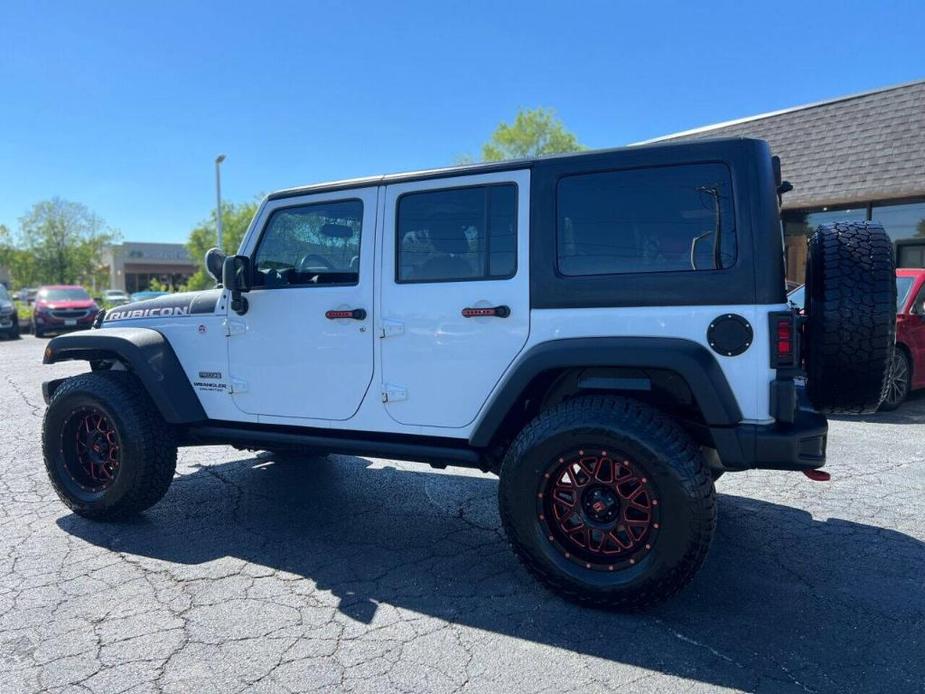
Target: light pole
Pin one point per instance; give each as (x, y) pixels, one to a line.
(218, 197)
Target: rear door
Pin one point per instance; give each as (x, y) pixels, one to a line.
(455, 299)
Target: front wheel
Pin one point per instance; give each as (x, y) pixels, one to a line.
(108, 453)
(608, 502)
(898, 382)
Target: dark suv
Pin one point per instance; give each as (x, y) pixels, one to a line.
(9, 320)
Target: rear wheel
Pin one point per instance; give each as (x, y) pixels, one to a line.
(899, 381)
(608, 502)
(107, 451)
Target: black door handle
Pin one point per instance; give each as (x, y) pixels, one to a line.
(355, 314)
(496, 311)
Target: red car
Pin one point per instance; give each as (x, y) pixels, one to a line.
(60, 307)
(908, 372)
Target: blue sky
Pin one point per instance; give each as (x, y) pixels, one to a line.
(123, 106)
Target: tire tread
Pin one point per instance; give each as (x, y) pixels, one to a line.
(122, 391)
(646, 424)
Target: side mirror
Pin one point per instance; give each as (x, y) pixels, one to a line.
(236, 272)
(215, 263)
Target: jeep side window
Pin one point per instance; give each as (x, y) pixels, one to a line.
(311, 245)
(457, 234)
(666, 219)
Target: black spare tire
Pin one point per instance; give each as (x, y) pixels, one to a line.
(850, 329)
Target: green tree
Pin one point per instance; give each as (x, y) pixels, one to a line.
(236, 218)
(61, 242)
(533, 133)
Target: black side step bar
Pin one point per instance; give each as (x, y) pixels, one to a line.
(431, 451)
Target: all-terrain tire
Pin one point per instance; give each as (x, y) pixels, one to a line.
(665, 460)
(850, 329)
(146, 451)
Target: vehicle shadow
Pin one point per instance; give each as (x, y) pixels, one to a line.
(910, 412)
(784, 600)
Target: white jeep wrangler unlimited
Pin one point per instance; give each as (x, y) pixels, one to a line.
(607, 331)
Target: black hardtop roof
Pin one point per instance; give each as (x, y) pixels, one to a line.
(661, 153)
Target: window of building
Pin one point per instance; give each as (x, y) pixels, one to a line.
(799, 224)
(905, 223)
(457, 234)
(667, 219)
(311, 245)
(804, 222)
(910, 254)
(902, 222)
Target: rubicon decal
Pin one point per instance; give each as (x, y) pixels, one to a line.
(148, 313)
(170, 306)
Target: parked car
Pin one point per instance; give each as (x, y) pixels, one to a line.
(143, 296)
(907, 371)
(9, 320)
(116, 297)
(26, 295)
(60, 308)
(608, 331)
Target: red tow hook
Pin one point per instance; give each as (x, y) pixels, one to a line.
(817, 475)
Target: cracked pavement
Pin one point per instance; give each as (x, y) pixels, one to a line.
(350, 574)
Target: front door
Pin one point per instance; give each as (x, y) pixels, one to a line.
(305, 346)
(455, 300)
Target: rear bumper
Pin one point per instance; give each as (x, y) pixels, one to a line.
(797, 444)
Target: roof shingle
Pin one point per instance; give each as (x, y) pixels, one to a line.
(854, 149)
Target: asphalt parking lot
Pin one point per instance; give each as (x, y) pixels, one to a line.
(373, 575)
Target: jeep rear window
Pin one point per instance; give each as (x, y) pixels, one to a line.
(457, 234)
(311, 245)
(664, 219)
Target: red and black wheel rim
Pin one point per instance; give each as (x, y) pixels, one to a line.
(599, 509)
(92, 449)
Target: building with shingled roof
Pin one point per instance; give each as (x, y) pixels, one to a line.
(855, 157)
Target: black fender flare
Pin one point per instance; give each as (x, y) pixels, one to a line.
(144, 352)
(691, 360)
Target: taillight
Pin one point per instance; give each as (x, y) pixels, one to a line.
(784, 339)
